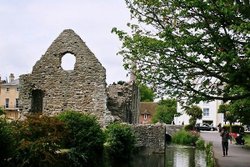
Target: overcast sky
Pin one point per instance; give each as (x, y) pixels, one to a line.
(29, 27)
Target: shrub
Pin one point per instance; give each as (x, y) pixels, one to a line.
(39, 141)
(7, 142)
(120, 141)
(185, 137)
(209, 155)
(200, 144)
(235, 128)
(85, 139)
(188, 127)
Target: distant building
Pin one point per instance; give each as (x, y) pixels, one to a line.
(147, 111)
(9, 93)
(210, 114)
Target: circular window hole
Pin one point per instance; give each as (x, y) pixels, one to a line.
(68, 62)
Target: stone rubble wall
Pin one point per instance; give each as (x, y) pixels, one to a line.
(82, 89)
(123, 101)
(172, 129)
(150, 136)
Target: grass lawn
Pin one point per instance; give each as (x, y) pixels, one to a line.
(247, 139)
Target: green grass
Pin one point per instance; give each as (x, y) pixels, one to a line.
(247, 139)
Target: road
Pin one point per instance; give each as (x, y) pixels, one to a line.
(237, 155)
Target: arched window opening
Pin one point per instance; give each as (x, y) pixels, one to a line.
(68, 62)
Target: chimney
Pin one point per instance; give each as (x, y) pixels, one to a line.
(11, 77)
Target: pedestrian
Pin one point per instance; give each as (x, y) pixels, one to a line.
(224, 140)
(219, 127)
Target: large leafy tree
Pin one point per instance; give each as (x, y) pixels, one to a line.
(238, 110)
(198, 49)
(146, 94)
(195, 112)
(165, 111)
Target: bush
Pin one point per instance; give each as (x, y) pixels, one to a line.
(209, 155)
(85, 139)
(200, 144)
(39, 140)
(235, 128)
(120, 141)
(185, 137)
(188, 127)
(7, 142)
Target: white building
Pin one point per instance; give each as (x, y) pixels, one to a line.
(210, 114)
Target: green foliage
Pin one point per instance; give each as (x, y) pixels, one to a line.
(200, 144)
(188, 127)
(182, 43)
(195, 112)
(1, 111)
(39, 139)
(185, 137)
(234, 128)
(146, 94)
(7, 142)
(165, 111)
(120, 141)
(210, 155)
(85, 139)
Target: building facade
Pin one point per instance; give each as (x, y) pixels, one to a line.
(210, 114)
(147, 111)
(9, 97)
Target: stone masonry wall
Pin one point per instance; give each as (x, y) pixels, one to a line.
(123, 101)
(83, 89)
(150, 136)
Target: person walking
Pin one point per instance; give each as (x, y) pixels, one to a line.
(224, 140)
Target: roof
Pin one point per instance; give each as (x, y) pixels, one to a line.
(147, 108)
(12, 83)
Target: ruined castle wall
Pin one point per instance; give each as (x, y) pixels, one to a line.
(82, 89)
(123, 101)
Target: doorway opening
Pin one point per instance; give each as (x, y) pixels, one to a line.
(37, 101)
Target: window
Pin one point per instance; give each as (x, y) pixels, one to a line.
(7, 89)
(7, 101)
(145, 116)
(68, 61)
(205, 111)
(17, 105)
(17, 89)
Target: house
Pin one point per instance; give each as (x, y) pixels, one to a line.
(147, 111)
(9, 93)
(210, 114)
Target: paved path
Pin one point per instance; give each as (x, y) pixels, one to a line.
(237, 155)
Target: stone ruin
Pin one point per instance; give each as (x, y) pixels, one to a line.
(50, 89)
(123, 101)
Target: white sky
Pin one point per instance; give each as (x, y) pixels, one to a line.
(29, 27)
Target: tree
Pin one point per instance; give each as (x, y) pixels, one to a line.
(165, 111)
(85, 139)
(195, 112)
(1, 111)
(39, 139)
(7, 142)
(120, 141)
(238, 110)
(146, 94)
(190, 48)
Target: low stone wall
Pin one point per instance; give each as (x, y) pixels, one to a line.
(172, 129)
(150, 137)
